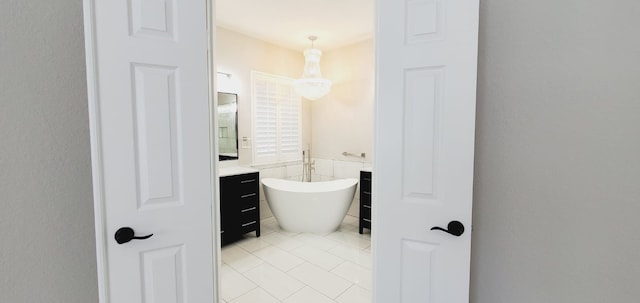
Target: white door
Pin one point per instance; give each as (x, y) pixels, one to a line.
(149, 102)
(424, 148)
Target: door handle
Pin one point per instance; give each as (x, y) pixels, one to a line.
(126, 234)
(454, 228)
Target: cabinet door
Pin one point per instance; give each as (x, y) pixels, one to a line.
(228, 219)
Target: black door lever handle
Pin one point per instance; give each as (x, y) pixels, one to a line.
(454, 228)
(126, 234)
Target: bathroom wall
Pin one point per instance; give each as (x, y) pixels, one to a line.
(343, 120)
(238, 55)
(557, 181)
(47, 243)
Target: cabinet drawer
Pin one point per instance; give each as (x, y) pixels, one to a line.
(365, 197)
(365, 212)
(249, 226)
(248, 185)
(249, 214)
(365, 181)
(236, 186)
(247, 201)
(366, 223)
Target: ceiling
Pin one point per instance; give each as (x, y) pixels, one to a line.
(288, 23)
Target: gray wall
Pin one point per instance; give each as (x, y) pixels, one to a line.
(47, 246)
(557, 182)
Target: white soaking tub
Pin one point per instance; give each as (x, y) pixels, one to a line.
(315, 207)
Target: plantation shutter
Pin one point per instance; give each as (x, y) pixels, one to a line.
(277, 120)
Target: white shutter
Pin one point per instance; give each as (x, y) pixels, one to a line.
(277, 119)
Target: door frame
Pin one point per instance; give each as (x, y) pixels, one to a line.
(95, 136)
(101, 232)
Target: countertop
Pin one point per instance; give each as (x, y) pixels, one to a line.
(236, 170)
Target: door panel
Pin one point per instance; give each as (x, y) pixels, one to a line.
(163, 275)
(157, 165)
(424, 148)
(152, 148)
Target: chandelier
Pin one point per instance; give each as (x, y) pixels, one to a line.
(312, 86)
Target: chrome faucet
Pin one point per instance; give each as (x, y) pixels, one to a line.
(308, 166)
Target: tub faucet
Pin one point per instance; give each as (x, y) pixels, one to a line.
(308, 166)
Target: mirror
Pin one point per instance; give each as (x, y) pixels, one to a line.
(228, 126)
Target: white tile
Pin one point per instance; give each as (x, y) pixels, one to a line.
(347, 169)
(257, 295)
(279, 258)
(294, 170)
(239, 259)
(318, 257)
(268, 225)
(265, 230)
(349, 229)
(274, 281)
(273, 172)
(326, 178)
(355, 294)
(265, 213)
(352, 238)
(252, 243)
(285, 242)
(308, 295)
(350, 220)
(355, 273)
(321, 280)
(287, 233)
(324, 167)
(353, 254)
(317, 241)
(354, 210)
(233, 284)
(315, 177)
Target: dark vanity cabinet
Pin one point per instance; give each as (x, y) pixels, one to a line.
(365, 200)
(239, 206)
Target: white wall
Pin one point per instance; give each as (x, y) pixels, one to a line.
(557, 182)
(47, 244)
(238, 55)
(343, 120)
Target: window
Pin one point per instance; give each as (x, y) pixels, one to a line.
(276, 119)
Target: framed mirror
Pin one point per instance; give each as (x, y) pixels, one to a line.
(227, 126)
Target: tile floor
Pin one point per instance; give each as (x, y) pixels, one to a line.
(287, 267)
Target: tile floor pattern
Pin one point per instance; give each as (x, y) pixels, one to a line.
(287, 267)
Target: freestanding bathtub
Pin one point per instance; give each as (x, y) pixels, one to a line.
(315, 207)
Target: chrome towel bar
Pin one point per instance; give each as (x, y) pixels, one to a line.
(360, 155)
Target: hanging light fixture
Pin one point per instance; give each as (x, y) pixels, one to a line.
(312, 86)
